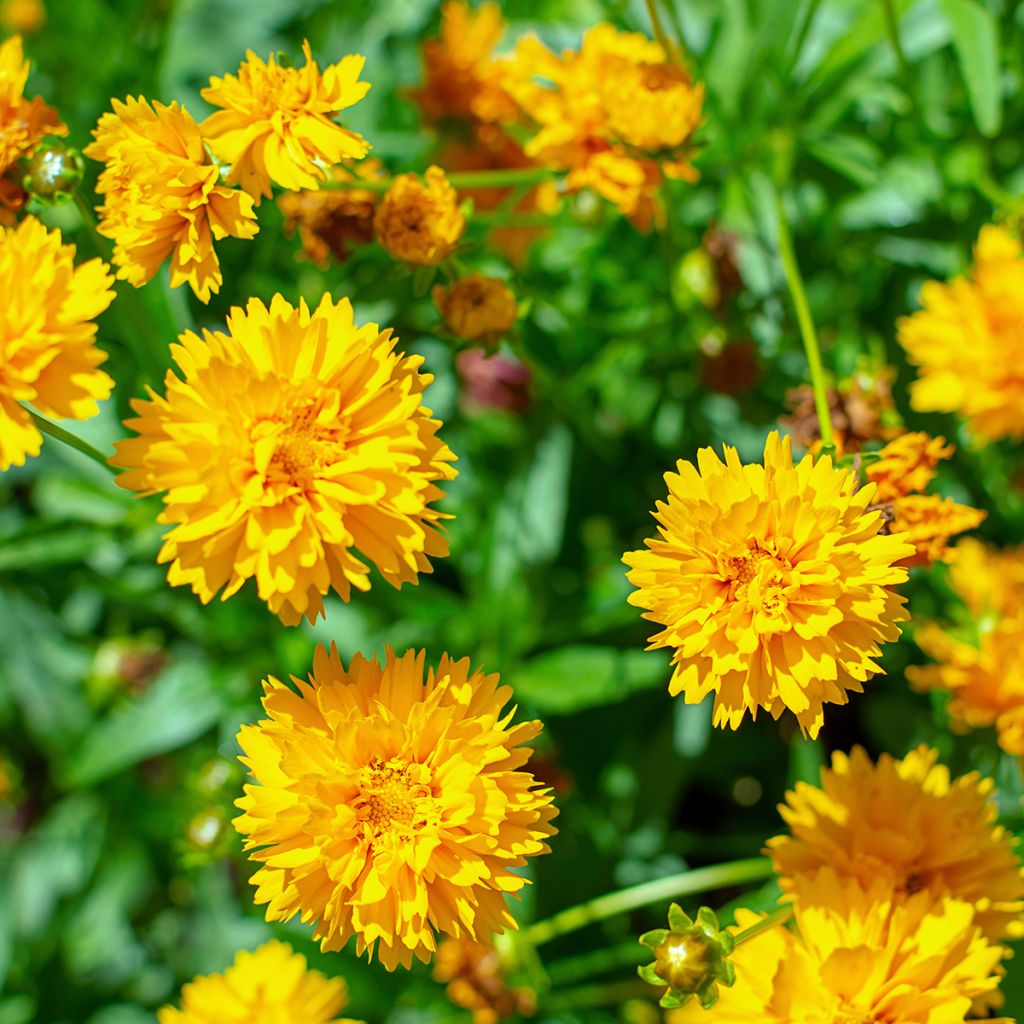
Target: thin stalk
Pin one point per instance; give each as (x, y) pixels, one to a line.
(780, 916)
(1001, 198)
(810, 10)
(685, 883)
(659, 31)
(586, 996)
(65, 436)
(598, 961)
(892, 26)
(500, 178)
(803, 315)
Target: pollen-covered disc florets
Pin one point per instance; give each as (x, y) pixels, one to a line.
(390, 803)
(772, 583)
(287, 445)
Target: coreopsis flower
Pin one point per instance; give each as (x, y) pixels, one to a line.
(23, 122)
(389, 803)
(286, 446)
(967, 343)
(330, 220)
(475, 981)
(163, 197)
(908, 822)
(461, 79)
(856, 954)
(48, 353)
(773, 584)
(278, 124)
(272, 983)
(980, 659)
(419, 221)
(477, 308)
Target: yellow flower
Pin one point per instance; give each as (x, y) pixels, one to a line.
(461, 78)
(163, 196)
(477, 308)
(981, 662)
(389, 803)
(909, 823)
(907, 464)
(856, 955)
(651, 105)
(288, 443)
(22, 15)
(271, 984)
(420, 221)
(772, 583)
(278, 123)
(967, 341)
(48, 355)
(22, 122)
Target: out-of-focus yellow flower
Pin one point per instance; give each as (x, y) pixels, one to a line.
(330, 219)
(475, 981)
(289, 443)
(390, 803)
(909, 823)
(273, 983)
(420, 221)
(477, 308)
(25, 16)
(855, 955)
(461, 79)
(23, 122)
(606, 114)
(968, 342)
(907, 464)
(48, 355)
(772, 583)
(277, 124)
(981, 660)
(162, 196)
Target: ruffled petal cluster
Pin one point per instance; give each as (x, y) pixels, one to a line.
(477, 308)
(288, 444)
(278, 124)
(163, 197)
(48, 353)
(857, 954)
(968, 341)
(23, 122)
(979, 659)
(272, 983)
(908, 822)
(419, 221)
(772, 582)
(390, 803)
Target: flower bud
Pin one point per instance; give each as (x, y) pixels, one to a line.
(690, 958)
(53, 173)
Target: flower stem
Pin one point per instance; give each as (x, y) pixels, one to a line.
(60, 434)
(803, 315)
(671, 53)
(892, 26)
(685, 883)
(505, 177)
(780, 916)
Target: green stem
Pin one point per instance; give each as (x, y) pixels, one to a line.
(60, 434)
(598, 961)
(892, 26)
(780, 916)
(803, 315)
(685, 883)
(501, 178)
(659, 31)
(811, 9)
(1001, 198)
(587, 996)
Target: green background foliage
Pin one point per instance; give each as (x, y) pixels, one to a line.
(120, 697)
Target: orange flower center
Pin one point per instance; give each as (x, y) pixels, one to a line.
(392, 796)
(657, 77)
(304, 449)
(758, 577)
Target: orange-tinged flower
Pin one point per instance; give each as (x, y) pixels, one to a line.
(389, 803)
(651, 105)
(23, 122)
(907, 464)
(461, 78)
(908, 822)
(271, 984)
(288, 444)
(22, 15)
(48, 355)
(420, 221)
(477, 308)
(968, 341)
(277, 124)
(855, 954)
(772, 583)
(163, 197)
(475, 981)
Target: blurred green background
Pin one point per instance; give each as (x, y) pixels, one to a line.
(120, 875)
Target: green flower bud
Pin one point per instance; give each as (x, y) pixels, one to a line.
(53, 173)
(690, 958)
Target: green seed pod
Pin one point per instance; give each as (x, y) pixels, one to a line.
(53, 173)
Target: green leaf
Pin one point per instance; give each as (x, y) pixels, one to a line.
(851, 155)
(975, 34)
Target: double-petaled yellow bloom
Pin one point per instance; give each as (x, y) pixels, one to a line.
(909, 823)
(390, 803)
(419, 221)
(288, 444)
(772, 583)
(48, 355)
(968, 341)
(163, 197)
(271, 984)
(278, 124)
(477, 308)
